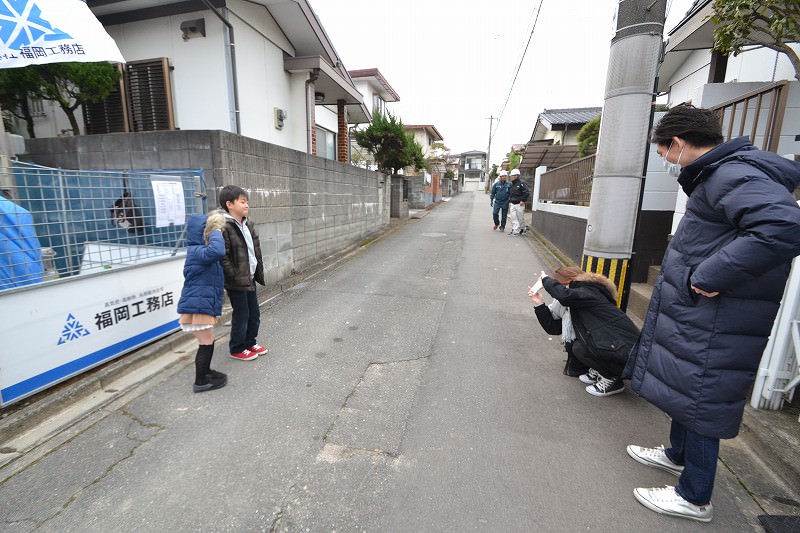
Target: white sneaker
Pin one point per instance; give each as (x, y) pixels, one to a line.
(665, 500)
(590, 377)
(655, 457)
(606, 387)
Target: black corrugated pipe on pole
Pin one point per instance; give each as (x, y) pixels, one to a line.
(309, 116)
(232, 49)
(622, 146)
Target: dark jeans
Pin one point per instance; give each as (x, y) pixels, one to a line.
(608, 369)
(496, 218)
(698, 455)
(245, 319)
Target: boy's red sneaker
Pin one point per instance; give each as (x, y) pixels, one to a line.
(258, 349)
(244, 355)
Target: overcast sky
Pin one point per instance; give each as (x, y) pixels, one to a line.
(452, 63)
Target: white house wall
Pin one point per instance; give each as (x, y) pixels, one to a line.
(692, 73)
(366, 89)
(263, 83)
(53, 122)
(327, 118)
(761, 64)
(198, 78)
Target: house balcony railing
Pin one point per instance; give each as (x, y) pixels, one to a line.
(568, 184)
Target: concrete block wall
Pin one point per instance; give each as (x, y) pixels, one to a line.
(305, 208)
(416, 193)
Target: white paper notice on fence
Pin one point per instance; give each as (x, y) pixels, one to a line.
(170, 205)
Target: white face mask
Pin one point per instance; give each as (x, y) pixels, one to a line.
(673, 169)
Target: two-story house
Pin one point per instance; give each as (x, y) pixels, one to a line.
(472, 169)
(261, 69)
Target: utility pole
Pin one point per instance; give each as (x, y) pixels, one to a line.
(622, 146)
(489, 150)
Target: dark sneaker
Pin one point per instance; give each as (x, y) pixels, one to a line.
(217, 377)
(655, 457)
(210, 384)
(590, 377)
(606, 387)
(258, 349)
(665, 500)
(244, 355)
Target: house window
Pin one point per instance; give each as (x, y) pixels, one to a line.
(378, 104)
(326, 143)
(474, 163)
(36, 107)
(143, 101)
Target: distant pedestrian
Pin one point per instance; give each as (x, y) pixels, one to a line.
(499, 200)
(200, 304)
(243, 267)
(713, 305)
(604, 335)
(518, 195)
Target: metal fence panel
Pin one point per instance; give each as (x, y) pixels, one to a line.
(85, 221)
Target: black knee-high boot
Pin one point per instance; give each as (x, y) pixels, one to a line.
(205, 378)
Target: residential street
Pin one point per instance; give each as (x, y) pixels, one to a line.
(408, 388)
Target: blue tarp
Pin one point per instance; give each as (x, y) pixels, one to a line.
(20, 251)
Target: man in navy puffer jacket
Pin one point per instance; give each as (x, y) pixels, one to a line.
(714, 303)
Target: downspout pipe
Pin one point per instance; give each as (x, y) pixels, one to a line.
(312, 78)
(234, 75)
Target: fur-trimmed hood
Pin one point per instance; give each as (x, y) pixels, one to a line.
(598, 279)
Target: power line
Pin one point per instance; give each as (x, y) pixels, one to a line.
(519, 66)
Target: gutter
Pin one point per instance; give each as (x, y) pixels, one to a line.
(309, 116)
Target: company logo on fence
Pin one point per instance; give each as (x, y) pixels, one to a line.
(21, 24)
(73, 329)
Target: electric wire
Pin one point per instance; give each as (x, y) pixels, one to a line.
(519, 66)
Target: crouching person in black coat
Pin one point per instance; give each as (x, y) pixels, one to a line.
(604, 335)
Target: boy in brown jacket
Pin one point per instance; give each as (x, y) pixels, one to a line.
(243, 267)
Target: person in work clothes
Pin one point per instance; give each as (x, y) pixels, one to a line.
(713, 305)
(243, 267)
(200, 304)
(499, 200)
(518, 195)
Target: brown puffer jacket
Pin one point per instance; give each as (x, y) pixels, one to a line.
(236, 264)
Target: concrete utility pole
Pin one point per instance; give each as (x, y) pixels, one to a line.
(622, 145)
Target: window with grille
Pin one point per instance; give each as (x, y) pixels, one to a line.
(143, 101)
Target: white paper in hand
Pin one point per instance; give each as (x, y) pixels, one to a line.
(537, 286)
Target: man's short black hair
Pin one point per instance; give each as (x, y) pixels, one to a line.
(699, 127)
(230, 193)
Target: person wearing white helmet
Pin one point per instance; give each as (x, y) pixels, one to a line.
(518, 195)
(499, 200)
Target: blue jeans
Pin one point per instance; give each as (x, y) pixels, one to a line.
(245, 319)
(496, 218)
(698, 455)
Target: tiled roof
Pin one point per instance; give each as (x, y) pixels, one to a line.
(376, 74)
(577, 115)
(427, 127)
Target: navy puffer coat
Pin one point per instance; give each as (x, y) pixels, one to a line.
(203, 280)
(697, 356)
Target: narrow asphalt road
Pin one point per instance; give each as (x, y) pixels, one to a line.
(409, 388)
